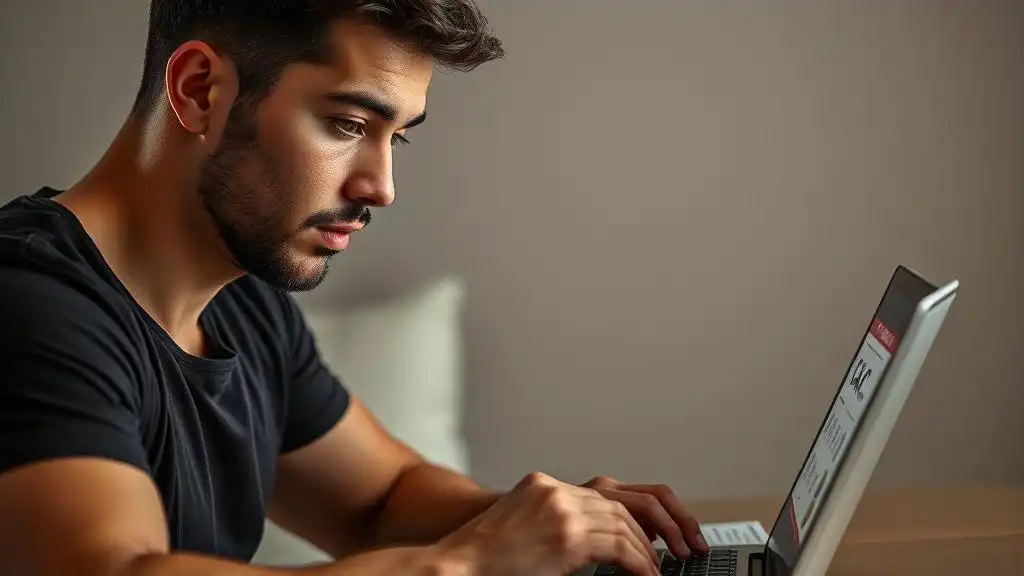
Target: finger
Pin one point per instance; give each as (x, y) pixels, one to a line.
(601, 482)
(647, 508)
(687, 523)
(596, 504)
(614, 549)
(650, 530)
(614, 516)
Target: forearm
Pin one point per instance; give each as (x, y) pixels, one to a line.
(426, 503)
(416, 561)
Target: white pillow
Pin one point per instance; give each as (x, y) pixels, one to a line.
(403, 358)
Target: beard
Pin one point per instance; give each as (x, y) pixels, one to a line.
(250, 207)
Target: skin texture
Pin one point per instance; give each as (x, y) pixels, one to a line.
(210, 187)
(304, 158)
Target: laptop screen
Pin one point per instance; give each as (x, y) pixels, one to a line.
(880, 342)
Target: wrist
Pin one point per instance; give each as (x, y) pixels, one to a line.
(447, 560)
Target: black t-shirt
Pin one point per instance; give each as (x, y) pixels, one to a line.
(84, 371)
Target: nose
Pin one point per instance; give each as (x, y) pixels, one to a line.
(371, 182)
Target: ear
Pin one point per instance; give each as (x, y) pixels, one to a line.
(201, 87)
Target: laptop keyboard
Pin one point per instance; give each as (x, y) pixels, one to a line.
(718, 562)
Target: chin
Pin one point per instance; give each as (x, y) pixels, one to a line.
(308, 275)
(293, 272)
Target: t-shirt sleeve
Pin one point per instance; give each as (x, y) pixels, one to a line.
(66, 388)
(315, 398)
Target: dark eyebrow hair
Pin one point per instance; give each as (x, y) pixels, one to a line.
(375, 105)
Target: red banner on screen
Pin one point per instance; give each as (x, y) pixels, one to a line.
(883, 334)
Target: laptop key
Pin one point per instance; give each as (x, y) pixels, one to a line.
(715, 563)
(696, 566)
(671, 566)
(718, 563)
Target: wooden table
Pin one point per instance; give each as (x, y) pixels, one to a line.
(962, 531)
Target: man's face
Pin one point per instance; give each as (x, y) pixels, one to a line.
(292, 179)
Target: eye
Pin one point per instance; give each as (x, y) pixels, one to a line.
(399, 139)
(348, 128)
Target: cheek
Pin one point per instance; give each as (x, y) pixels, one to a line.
(320, 165)
(302, 168)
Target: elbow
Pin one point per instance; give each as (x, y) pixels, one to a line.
(381, 525)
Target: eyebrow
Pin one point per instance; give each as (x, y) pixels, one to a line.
(370, 102)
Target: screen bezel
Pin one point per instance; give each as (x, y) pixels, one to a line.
(905, 290)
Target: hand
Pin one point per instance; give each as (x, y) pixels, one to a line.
(658, 511)
(544, 527)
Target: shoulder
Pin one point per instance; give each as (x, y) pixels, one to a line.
(47, 321)
(26, 221)
(47, 300)
(62, 319)
(71, 367)
(40, 239)
(52, 274)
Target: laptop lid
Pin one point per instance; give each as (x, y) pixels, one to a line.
(851, 437)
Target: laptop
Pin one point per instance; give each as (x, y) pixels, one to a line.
(847, 446)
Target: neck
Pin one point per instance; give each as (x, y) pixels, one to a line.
(151, 228)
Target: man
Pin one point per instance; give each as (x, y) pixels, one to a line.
(161, 394)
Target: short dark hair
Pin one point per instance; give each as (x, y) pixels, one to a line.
(263, 36)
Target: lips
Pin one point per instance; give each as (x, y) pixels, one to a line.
(336, 236)
(340, 228)
(334, 240)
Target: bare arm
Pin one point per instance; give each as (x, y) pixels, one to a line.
(99, 517)
(358, 487)
(427, 503)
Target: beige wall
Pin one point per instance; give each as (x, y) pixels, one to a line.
(674, 219)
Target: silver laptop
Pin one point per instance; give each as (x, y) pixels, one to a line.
(848, 444)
